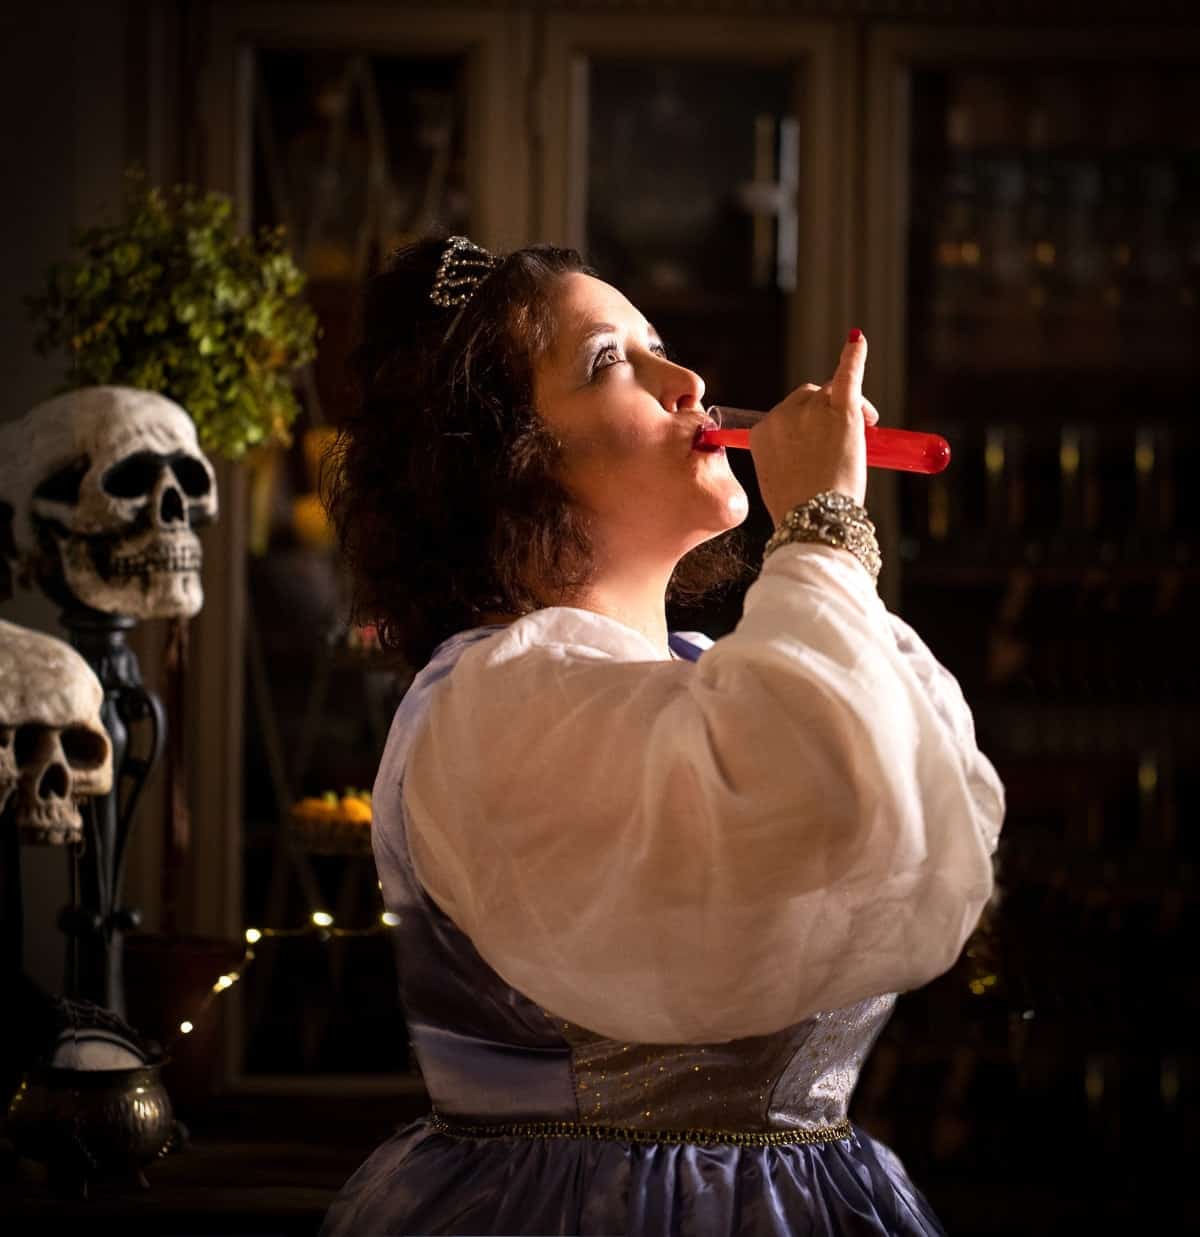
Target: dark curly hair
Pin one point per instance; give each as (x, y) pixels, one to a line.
(441, 482)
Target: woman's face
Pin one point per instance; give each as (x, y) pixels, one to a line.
(628, 420)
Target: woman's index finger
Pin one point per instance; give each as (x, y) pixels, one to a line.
(846, 387)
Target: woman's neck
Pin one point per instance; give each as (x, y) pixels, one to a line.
(629, 592)
(636, 598)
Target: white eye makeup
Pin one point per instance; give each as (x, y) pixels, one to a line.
(607, 353)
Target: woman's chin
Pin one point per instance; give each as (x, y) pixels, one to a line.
(731, 506)
(737, 507)
(725, 509)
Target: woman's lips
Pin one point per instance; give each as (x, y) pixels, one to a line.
(709, 448)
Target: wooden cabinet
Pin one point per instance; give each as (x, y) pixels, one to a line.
(1031, 229)
(1013, 217)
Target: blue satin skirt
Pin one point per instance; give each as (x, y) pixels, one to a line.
(423, 1182)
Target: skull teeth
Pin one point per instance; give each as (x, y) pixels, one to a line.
(156, 560)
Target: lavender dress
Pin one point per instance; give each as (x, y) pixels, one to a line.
(542, 1127)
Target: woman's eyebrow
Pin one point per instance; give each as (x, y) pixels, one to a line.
(594, 329)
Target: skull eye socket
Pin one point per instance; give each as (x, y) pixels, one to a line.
(84, 749)
(133, 477)
(191, 475)
(63, 486)
(29, 742)
(6, 737)
(136, 476)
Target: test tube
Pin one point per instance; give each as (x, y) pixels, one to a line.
(904, 450)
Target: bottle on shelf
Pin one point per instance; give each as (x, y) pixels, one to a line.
(1079, 494)
(1004, 471)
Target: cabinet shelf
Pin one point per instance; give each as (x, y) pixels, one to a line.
(1051, 730)
(1138, 877)
(968, 337)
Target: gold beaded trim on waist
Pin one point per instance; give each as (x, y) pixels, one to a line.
(631, 1134)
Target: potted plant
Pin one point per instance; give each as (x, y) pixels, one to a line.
(176, 300)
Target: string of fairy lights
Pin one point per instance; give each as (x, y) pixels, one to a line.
(320, 924)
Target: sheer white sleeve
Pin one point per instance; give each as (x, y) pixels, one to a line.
(944, 694)
(673, 852)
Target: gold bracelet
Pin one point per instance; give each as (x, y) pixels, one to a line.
(833, 519)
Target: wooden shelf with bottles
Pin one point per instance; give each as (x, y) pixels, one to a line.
(1044, 281)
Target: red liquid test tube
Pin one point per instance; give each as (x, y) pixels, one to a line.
(904, 450)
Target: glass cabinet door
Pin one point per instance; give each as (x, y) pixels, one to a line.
(357, 126)
(680, 160)
(356, 154)
(690, 209)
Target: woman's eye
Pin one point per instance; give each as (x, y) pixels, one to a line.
(608, 355)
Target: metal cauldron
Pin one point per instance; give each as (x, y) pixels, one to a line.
(85, 1124)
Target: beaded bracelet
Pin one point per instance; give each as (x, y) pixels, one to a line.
(834, 519)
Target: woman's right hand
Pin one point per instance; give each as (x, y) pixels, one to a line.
(813, 440)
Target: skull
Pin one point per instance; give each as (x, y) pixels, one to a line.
(105, 487)
(55, 747)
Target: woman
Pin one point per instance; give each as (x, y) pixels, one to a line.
(656, 894)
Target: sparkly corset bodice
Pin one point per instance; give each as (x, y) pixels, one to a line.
(799, 1077)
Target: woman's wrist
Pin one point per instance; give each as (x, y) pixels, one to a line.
(831, 518)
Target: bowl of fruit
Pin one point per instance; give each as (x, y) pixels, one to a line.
(333, 824)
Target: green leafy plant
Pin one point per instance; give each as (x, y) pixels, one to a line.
(176, 300)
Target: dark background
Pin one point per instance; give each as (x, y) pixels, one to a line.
(1050, 276)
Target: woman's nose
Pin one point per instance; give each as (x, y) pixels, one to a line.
(681, 388)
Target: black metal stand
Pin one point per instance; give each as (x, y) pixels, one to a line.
(96, 922)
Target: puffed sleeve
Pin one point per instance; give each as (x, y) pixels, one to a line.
(668, 852)
(944, 694)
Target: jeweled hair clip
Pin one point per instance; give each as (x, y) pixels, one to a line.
(464, 266)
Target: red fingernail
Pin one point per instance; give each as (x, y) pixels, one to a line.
(854, 336)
